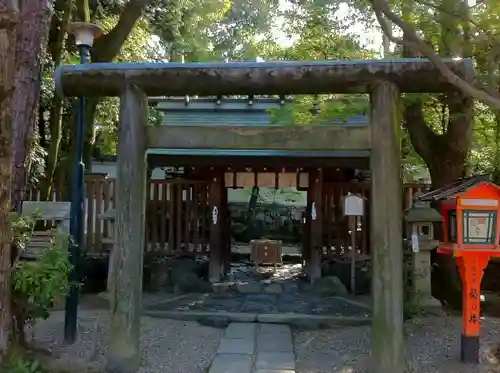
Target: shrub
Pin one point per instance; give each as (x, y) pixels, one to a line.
(37, 285)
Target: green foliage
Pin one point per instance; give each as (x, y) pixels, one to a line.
(322, 109)
(155, 116)
(22, 361)
(298, 30)
(37, 285)
(18, 362)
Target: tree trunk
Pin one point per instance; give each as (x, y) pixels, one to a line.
(446, 167)
(32, 30)
(445, 157)
(496, 162)
(444, 154)
(9, 17)
(56, 46)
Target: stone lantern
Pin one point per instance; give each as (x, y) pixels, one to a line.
(420, 219)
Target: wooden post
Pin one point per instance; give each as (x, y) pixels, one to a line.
(123, 351)
(216, 222)
(353, 224)
(226, 230)
(386, 231)
(316, 214)
(306, 234)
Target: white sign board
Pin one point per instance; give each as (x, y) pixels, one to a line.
(414, 243)
(354, 205)
(215, 214)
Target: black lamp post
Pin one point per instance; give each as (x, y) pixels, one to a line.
(85, 34)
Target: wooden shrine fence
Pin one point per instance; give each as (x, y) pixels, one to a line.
(336, 230)
(187, 202)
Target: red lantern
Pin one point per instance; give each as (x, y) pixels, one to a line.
(471, 233)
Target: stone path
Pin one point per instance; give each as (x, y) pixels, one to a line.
(260, 303)
(263, 296)
(255, 348)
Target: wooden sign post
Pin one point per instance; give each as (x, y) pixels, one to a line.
(353, 207)
(471, 233)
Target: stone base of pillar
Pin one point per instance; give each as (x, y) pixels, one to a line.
(104, 295)
(431, 305)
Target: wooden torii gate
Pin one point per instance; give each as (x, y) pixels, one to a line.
(382, 79)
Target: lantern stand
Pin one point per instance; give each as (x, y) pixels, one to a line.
(85, 34)
(471, 233)
(471, 269)
(420, 233)
(353, 208)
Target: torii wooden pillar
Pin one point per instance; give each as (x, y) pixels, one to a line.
(126, 297)
(386, 230)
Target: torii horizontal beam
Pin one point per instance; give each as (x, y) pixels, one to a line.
(291, 138)
(254, 78)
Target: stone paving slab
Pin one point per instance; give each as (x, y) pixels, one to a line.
(275, 360)
(274, 343)
(236, 346)
(274, 329)
(241, 331)
(238, 353)
(312, 321)
(231, 363)
(302, 303)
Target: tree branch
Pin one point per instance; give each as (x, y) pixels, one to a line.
(61, 35)
(421, 135)
(441, 9)
(107, 47)
(412, 40)
(492, 62)
(83, 11)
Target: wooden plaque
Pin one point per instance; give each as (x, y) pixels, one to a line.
(287, 180)
(266, 179)
(245, 179)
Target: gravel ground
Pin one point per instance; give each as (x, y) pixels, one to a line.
(433, 346)
(167, 345)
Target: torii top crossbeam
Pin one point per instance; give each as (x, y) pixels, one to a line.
(253, 78)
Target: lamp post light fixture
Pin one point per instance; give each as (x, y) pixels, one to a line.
(85, 34)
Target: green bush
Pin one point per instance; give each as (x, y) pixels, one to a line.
(37, 285)
(18, 362)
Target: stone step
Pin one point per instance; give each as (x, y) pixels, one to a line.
(275, 360)
(231, 363)
(237, 330)
(255, 348)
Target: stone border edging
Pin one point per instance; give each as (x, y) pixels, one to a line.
(293, 319)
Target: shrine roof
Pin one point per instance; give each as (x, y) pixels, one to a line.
(243, 111)
(454, 189)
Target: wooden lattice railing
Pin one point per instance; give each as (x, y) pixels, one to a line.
(189, 229)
